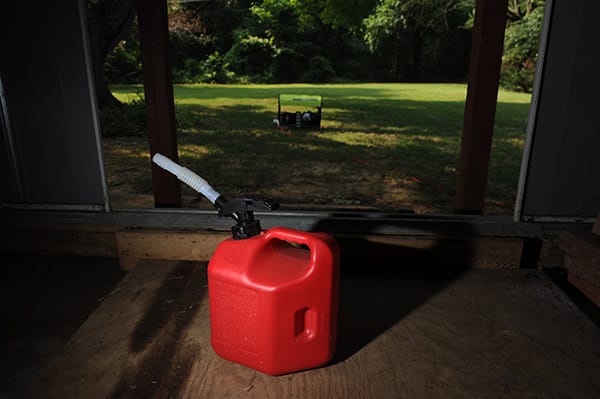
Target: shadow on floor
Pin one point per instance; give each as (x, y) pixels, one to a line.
(43, 302)
(382, 283)
(589, 308)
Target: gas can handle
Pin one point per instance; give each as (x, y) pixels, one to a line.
(316, 243)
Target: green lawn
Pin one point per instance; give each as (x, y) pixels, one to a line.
(388, 146)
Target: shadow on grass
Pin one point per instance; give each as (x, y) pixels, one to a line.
(252, 93)
(370, 146)
(183, 92)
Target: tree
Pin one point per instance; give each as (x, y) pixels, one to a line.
(300, 42)
(346, 14)
(406, 27)
(108, 22)
(521, 44)
(519, 9)
(219, 20)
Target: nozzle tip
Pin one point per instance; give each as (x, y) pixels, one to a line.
(165, 163)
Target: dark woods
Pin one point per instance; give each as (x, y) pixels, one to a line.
(310, 41)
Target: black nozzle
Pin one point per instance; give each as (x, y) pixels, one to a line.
(242, 211)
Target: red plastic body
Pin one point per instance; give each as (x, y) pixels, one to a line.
(273, 305)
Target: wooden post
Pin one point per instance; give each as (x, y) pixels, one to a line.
(158, 90)
(480, 108)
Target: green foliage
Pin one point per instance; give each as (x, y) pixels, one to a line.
(127, 120)
(252, 56)
(339, 14)
(189, 72)
(398, 18)
(122, 65)
(412, 31)
(289, 65)
(186, 47)
(350, 58)
(269, 12)
(382, 24)
(521, 50)
(518, 9)
(189, 43)
(319, 70)
(218, 19)
(215, 70)
(282, 20)
(344, 40)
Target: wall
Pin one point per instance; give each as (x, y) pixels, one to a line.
(561, 170)
(50, 152)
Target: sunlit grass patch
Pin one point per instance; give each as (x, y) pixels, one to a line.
(388, 146)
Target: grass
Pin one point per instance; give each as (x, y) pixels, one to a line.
(387, 146)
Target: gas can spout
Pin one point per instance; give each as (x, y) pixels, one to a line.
(188, 177)
(240, 209)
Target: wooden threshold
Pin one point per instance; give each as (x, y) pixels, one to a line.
(131, 245)
(366, 237)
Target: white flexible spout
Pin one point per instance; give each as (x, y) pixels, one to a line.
(187, 176)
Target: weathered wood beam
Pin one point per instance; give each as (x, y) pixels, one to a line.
(582, 260)
(158, 90)
(133, 245)
(480, 109)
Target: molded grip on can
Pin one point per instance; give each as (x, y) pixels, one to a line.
(187, 176)
(318, 245)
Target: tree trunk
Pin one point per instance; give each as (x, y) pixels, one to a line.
(417, 44)
(397, 56)
(397, 64)
(108, 22)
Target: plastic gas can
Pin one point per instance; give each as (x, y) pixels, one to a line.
(274, 300)
(273, 294)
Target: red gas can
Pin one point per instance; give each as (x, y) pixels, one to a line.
(273, 304)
